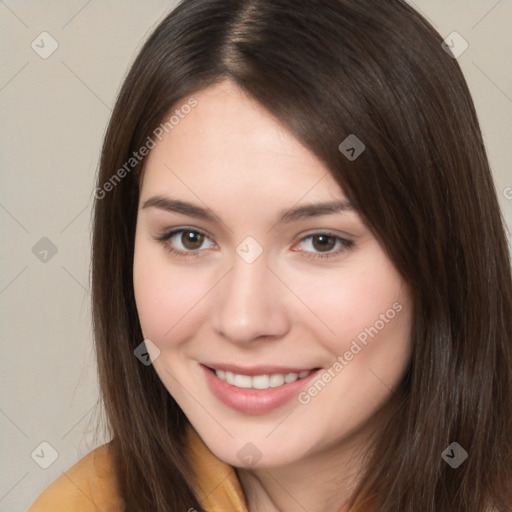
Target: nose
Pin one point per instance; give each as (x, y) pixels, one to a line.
(250, 304)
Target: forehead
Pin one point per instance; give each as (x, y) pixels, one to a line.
(229, 143)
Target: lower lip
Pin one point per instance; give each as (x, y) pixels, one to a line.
(254, 401)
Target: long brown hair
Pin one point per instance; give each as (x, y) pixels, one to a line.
(328, 69)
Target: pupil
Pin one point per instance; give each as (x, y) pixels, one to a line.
(192, 240)
(323, 242)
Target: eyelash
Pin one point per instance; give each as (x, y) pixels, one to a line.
(343, 242)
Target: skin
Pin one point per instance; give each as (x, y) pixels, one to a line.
(289, 307)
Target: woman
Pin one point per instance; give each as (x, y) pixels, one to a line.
(296, 224)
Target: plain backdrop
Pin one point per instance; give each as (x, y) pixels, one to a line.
(54, 112)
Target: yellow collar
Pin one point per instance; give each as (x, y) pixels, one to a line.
(217, 486)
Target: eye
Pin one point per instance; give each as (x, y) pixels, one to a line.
(324, 245)
(185, 242)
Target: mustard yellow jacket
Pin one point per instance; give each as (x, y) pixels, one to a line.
(89, 485)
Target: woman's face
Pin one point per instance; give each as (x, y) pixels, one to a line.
(249, 260)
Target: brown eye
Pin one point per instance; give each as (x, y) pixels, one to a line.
(324, 243)
(192, 240)
(186, 242)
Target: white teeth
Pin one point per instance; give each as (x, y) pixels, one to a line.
(276, 380)
(243, 381)
(291, 377)
(260, 381)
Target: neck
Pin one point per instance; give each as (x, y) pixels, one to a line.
(323, 482)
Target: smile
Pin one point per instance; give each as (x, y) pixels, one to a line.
(256, 390)
(264, 381)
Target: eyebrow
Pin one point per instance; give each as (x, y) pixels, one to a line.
(291, 215)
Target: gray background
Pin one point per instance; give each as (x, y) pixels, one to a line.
(53, 114)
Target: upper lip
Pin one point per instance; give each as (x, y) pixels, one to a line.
(257, 370)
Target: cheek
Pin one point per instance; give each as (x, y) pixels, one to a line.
(356, 304)
(370, 312)
(166, 296)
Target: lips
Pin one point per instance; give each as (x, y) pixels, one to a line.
(256, 400)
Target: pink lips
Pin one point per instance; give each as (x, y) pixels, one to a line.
(255, 401)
